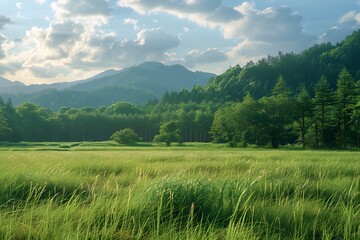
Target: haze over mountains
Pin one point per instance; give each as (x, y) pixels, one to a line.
(138, 84)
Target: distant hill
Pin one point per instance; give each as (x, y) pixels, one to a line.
(5, 83)
(152, 77)
(9, 87)
(304, 68)
(137, 84)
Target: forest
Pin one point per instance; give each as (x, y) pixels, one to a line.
(310, 98)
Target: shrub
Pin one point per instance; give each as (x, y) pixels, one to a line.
(169, 132)
(125, 136)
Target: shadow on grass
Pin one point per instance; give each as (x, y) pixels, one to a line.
(25, 190)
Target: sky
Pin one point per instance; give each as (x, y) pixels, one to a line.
(44, 41)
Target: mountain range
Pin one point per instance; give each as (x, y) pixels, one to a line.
(138, 84)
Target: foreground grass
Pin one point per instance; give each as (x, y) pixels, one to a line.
(196, 192)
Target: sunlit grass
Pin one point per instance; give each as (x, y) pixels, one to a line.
(183, 192)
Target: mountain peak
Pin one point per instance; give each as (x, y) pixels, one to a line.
(151, 65)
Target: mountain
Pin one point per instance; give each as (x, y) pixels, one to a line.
(9, 87)
(138, 84)
(152, 77)
(5, 83)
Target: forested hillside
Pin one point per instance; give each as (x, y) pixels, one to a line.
(311, 99)
(302, 69)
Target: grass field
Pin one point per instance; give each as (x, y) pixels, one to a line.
(101, 191)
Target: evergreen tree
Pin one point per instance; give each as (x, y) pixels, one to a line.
(323, 101)
(346, 99)
(280, 88)
(279, 108)
(304, 105)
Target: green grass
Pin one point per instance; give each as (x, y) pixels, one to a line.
(193, 191)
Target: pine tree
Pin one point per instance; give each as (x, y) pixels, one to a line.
(281, 88)
(346, 99)
(304, 107)
(323, 100)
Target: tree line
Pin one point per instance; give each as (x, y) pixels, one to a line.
(329, 119)
(31, 122)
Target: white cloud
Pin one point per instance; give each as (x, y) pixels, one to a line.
(198, 59)
(149, 45)
(48, 71)
(268, 25)
(348, 23)
(243, 21)
(78, 38)
(211, 55)
(19, 5)
(48, 52)
(69, 46)
(258, 32)
(11, 68)
(4, 20)
(157, 40)
(351, 16)
(133, 22)
(65, 34)
(2, 51)
(204, 12)
(80, 9)
(266, 32)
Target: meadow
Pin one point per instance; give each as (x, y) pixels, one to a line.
(105, 191)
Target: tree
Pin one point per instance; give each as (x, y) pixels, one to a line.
(346, 99)
(224, 125)
(5, 131)
(33, 122)
(169, 132)
(280, 88)
(125, 136)
(279, 112)
(355, 122)
(122, 108)
(304, 108)
(323, 102)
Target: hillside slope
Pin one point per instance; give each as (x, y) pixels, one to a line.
(304, 68)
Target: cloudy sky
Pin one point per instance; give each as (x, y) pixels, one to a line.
(44, 41)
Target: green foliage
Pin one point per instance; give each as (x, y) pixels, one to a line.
(323, 102)
(5, 131)
(125, 136)
(298, 69)
(280, 89)
(304, 109)
(169, 132)
(346, 99)
(266, 119)
(122, 108)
